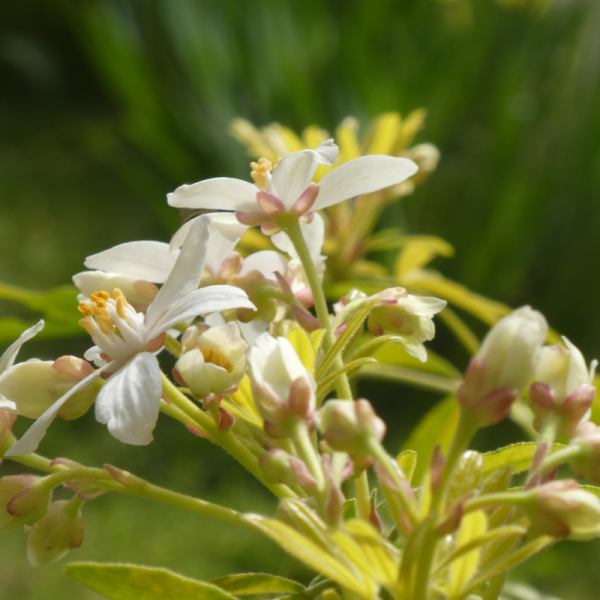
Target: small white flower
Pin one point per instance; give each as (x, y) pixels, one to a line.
(288, 187)
(214, 361)
(127, 342)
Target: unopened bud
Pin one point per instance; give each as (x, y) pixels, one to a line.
(563, 509)
(59, 531)
(284, 390)
(504, 365)
(23, 500)
(348, 426)
(33, 386)
(262, 292)
(563, 387)
(280, 467)
(410, 317)
(587, 462)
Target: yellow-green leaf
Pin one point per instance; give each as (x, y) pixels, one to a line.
(131, 582)
(245, 400)
(436, 427)
(303, 347)
(407, 461)
(246, 584)
(518, 455)
(313, 555)
(419, 250)
(473, 526)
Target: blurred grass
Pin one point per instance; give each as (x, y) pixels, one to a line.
(107, 105)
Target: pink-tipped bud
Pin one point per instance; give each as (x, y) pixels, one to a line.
(562, 509)
(335, 504)
(563, 388)
(306, 200)
(24, 499)
(305, 297)
(587, 463)
(226, 420)
(270, 204)
(347, 426)
(59, 531)
(280, 467)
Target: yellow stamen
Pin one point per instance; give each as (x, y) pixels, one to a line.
(100, 311)
(259, 171)
(121, 306)
(100, 297)
(85, 323)
(105, 324)
(85, 310)
(216, 358)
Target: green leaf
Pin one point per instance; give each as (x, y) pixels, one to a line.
(132, 582)
(592, 489)
(407, 461)
(518, 455)
(436, 427)
(327, 384)
(246, 584)
(58, 308)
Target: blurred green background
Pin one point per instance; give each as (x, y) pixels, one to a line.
(107, 105)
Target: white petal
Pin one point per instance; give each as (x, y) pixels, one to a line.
(221, 193)
(415, 348)
(423, 306)
(186, 273)
(293, 175)
(33, 436)
(138, 292)
(206, 300)
(7, 405)
(129, 401)
(8, 358)
(578, 372)
(149, 261)
(219, 248)
(215, 319)
(225, 223)
(251, 331)
(265, 262)
(361, 176)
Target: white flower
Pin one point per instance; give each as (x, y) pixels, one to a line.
(282, 386)
(214, 361)
(288, 187)
(127, 342)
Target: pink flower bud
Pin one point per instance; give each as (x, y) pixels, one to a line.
(411, 317)
(563, 387)
(59, 531)
(24, 499)
(563, 509)
(280, 467)
(347, 426)
(587, 463)
(283, 389)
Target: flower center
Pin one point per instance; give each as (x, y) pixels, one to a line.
(98, 310)
(259, 172)
(216, 358)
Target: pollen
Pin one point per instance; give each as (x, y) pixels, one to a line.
(85, 309)
(259, 172)
(100, 297)
(216, 358)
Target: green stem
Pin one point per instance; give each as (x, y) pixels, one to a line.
(308, 454)
(388, 463)
(498, 499)
(291, 226)
(562, 456)
(547, 436)
(467, 426)
(226, 440)
(495, 587)
(62, 473)
(363, 496)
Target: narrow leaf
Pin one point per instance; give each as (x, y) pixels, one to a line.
(131, 582)
(407, 461)
(246, 584)
(518, 455)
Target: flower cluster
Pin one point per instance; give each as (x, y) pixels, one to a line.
(263, 368)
